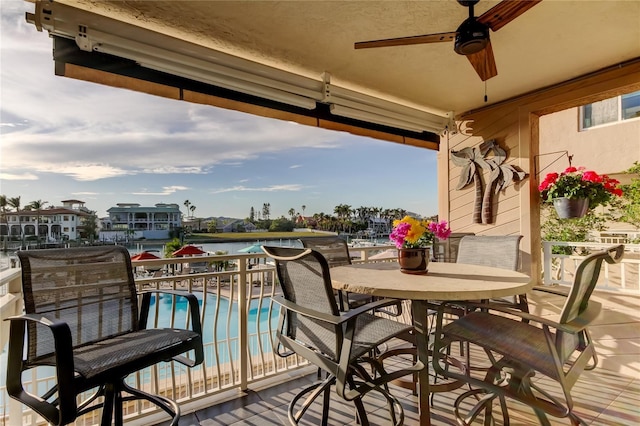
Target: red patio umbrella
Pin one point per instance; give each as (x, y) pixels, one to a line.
(145, 255)
(188, 251)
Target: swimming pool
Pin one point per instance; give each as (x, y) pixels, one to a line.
(220, 324)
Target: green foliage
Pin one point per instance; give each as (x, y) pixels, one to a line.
(281, 225)
(176, 232)
(90, 227)
(629, 206)
(171, 246)
(221, 265)
(556, 229)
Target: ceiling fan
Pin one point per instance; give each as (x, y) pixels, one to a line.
(471, 39)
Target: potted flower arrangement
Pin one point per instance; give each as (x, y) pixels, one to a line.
(576, 190)
(413, 237)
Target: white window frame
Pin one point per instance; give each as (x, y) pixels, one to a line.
(618, 120)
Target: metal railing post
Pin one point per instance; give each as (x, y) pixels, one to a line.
(546, 254)
(243, 320)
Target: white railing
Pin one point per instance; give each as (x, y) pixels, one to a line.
(559, 267)
(238, 318)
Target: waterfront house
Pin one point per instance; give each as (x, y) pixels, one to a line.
(136, 221)
(52, 225)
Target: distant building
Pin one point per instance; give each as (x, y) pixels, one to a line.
(234, 225)
(53, 224)
(131, 220)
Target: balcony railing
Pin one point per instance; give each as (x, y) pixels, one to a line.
(238, 318)
(560, 260)
(239, 323)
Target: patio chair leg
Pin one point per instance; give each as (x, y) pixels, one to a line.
(326, 398)
(107, 405)
(361, 414)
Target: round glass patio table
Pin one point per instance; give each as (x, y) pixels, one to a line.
(444, 281)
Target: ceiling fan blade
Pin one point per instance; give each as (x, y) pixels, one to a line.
(505, 11)
(484, 63)
(403, 41)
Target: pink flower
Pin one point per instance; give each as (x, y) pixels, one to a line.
(569, 170)
(400, 233)
(440, 229)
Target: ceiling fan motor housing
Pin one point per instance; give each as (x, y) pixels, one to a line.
(472, 36)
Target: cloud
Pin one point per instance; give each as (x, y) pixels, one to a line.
(166, 190)
(84, 172)
(272, 188)
(103, 132)
(295, 166)
(21, 176)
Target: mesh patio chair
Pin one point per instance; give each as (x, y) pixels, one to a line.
(447, 250)
(83, 317)
(336, 251)
(498, 251)
(313, 327)
(520, 350)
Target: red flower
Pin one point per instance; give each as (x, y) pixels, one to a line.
(569, 170)
(591, 176)
(548, 181)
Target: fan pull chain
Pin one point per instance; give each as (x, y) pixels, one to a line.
(485, 91)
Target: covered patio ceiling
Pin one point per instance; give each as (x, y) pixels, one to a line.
(409, 91)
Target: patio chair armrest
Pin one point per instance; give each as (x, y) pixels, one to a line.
(573, 327)
(332, 319)
(64, 366)
(194, 307)
(376, 305)
(559, 291)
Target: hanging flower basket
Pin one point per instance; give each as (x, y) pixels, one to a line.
(576, 190)
(571, 208)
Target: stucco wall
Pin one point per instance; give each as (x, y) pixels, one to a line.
(606, 149)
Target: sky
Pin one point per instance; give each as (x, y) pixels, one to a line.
(64, 139)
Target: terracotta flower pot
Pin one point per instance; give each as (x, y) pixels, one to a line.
(571, 208)
(413, 260)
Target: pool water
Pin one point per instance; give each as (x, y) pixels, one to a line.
(226, 332)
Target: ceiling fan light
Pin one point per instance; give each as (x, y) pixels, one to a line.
(472, 36)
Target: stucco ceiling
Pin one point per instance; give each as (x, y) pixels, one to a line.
(553, 42)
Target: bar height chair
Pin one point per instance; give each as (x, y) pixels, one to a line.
(336, 251)
(83, 317)
(340, 343)
(518, 350)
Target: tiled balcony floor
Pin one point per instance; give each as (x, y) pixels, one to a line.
(608, 395)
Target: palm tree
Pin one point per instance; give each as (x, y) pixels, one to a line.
(3, 210)
(37, 206)
(292, 213)
(14, 202)
(187, 203)
(192, 209)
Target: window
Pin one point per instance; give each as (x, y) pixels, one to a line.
(612, 110)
